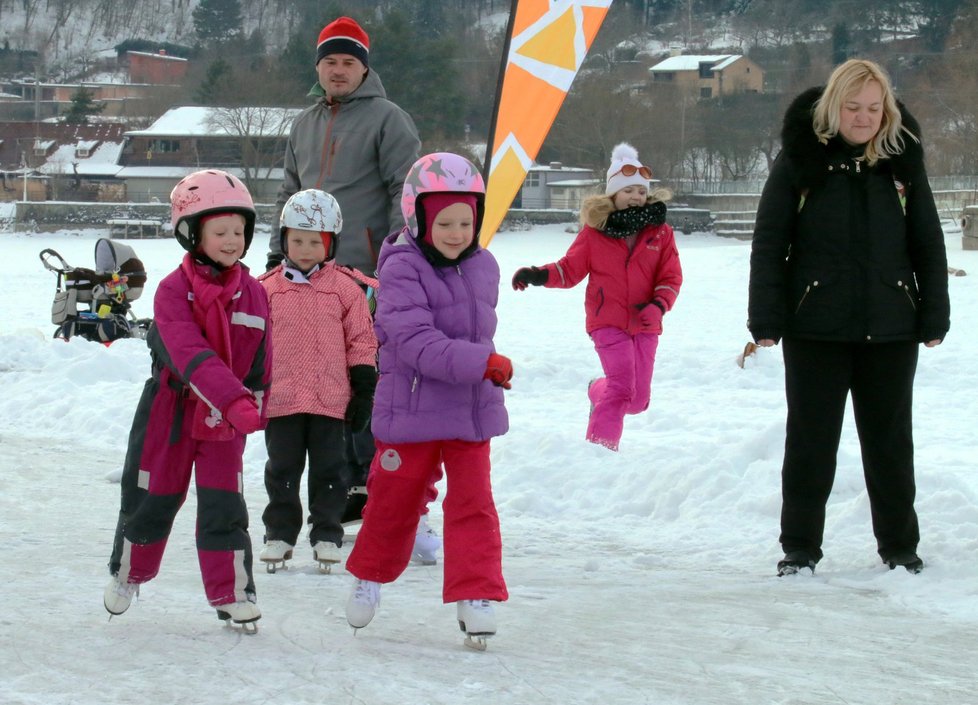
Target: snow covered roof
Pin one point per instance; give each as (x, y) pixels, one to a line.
(691, 62)
(555, 166)
(574, 182)
(197, 121)
(164, 57)
(178, 172)
(102, 162)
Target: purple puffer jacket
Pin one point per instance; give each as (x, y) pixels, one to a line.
(435, 328)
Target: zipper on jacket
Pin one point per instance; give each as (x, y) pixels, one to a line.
(906, 290)
(473, 337)
(329, 148)
(805, 295)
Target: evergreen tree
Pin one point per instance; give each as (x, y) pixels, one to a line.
(428, 86)
(217, 85)
(217, 20)
(82, 107)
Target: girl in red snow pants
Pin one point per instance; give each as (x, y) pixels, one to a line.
(399, 478)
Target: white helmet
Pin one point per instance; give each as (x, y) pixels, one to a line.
(312, 209)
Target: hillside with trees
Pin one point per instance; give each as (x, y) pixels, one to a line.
(439, 59)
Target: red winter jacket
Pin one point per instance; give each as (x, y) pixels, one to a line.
(619, 280)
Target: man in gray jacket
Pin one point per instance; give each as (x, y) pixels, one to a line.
(353, 143)
(358, 146)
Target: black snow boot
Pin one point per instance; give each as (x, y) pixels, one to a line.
(794, 561)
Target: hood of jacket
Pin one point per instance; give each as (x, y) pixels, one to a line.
(811, 157)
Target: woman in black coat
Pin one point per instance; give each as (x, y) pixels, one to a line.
(848, 270)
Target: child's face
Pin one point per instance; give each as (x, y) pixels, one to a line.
(631, 196)
(223, 238)
(305, 248)
(453, 229)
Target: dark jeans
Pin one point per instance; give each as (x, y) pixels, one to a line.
(819, 376)
(288, 440)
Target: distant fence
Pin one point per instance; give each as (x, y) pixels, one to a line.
(696, 186)
(54, 215)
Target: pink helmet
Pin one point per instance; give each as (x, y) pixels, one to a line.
(209, 191)
(441, 172)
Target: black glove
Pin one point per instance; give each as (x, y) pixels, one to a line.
(274, 260)
(363, 381)
(529, 275)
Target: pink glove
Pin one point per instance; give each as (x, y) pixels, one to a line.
(651, 316)
(243, 414)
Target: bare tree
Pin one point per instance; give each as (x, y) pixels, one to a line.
(261, 133)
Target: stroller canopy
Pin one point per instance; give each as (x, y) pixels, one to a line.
(112, 256)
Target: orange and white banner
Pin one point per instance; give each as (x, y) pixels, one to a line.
(547, 43)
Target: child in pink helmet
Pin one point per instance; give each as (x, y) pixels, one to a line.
(211, 368)
(439, 399)
(628, 252)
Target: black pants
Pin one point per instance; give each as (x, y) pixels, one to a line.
(288, 440)
(818, 378)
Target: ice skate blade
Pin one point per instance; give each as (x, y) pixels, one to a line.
(326, 567)
(475, 642)
(274, 566)
(249, 627)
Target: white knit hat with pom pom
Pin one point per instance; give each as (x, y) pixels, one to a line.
(622, 155)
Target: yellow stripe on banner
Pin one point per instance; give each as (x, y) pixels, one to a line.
(549, 42)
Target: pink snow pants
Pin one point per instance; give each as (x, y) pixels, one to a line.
(223, 543)
(397, 489)
(626, 388)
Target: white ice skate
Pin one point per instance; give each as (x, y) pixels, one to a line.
(274, 555)
(477, 619)
(328, 555)
(363, 603)
(426, 543)
(118, 595)
(242, 615)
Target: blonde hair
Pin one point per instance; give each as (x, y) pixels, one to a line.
(596, 209)
(846, 81)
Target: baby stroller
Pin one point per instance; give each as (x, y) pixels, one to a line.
(95, 303)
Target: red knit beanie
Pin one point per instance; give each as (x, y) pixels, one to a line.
(343, 36)
(435, 203)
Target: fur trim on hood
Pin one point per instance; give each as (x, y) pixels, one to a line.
(811, 158)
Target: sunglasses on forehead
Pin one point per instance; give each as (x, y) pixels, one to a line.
(630, 169)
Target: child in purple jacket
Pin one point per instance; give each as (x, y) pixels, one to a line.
(439, 398)
(211, 368)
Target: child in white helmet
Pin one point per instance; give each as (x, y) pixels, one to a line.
(323, 378)
(209, 377)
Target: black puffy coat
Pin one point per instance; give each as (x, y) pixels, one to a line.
(835, 254)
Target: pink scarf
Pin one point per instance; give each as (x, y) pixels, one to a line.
(211, 307)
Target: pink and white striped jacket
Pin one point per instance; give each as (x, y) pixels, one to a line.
(321, 327)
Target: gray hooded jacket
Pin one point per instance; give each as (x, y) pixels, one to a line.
(359, 150)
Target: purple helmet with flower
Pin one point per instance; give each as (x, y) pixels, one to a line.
(440, 172)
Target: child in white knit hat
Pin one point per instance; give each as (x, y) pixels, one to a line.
(629, 255)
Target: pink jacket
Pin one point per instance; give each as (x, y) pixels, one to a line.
(320, 329)
(618, 279)
(183, 359)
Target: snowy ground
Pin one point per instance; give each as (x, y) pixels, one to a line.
(640, 577)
